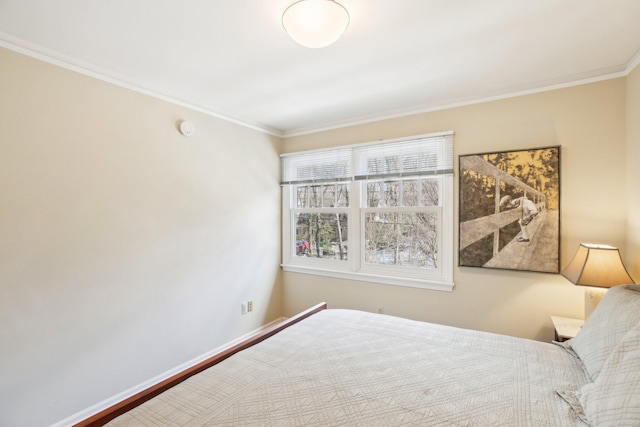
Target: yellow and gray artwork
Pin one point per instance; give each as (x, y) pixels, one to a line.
(509, 211)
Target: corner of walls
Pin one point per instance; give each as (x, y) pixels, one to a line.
(632, 255)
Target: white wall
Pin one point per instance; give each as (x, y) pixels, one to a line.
(125, 248)
(588, 122)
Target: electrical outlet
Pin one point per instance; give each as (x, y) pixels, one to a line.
(243, 307)
(250, 305)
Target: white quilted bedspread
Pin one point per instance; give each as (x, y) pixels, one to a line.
(351, 368)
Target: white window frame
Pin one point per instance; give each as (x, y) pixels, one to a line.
(354, 267)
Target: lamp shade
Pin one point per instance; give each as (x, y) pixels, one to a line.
(597, 265)
(315, 23)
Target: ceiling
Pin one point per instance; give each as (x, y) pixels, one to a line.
(233, 59)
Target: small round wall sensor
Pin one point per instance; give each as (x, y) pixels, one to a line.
(186, 128)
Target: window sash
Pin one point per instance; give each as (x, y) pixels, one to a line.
(417, 271)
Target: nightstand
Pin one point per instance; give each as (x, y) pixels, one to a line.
(565, 327)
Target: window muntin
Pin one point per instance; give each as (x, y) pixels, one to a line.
(382, 213)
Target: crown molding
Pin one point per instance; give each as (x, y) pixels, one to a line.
(428, 109)
(46, 55)
(633, 63)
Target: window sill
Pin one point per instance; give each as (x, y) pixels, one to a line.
(374, 278)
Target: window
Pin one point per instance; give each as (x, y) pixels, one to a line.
(380, 212)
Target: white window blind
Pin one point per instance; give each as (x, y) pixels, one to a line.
(428, 155)
(424, 155)
(317, 166)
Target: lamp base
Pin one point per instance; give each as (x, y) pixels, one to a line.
(592, 297)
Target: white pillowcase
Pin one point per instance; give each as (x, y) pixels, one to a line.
(614, 398)
(617, 314)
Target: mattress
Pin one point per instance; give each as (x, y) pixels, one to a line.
(344, 367)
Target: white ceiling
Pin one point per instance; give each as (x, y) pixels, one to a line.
(234, 60)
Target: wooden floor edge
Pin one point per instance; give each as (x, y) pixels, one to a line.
(137, 399)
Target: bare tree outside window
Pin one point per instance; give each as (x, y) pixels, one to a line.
(399, 230)
(322, 234)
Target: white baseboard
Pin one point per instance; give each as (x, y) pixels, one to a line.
(107, 403)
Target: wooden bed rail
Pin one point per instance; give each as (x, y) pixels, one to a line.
(106, 415)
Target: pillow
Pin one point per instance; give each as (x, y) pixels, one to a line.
(617, 313)
(614, 398)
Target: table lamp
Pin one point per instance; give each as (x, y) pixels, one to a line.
(598, 267)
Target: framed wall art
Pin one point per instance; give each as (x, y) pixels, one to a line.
(509, 210)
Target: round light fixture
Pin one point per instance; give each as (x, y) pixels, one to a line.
(315, 23)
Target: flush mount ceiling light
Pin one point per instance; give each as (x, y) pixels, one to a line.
(315, 23)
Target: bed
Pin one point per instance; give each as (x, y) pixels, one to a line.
(344, 367)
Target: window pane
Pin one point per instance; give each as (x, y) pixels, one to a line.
(406, 239)
(403, 192)
(302, 196)
(374, 194)
(315, 196)
(321, 235)
(391, 194)
(431, 192)
(322, 195)
(383, 194)
(342, 199)
(329, 196)
(411, 193)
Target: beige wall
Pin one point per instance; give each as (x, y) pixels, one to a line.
(588, 122)
(125, 248)
(632, 255)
